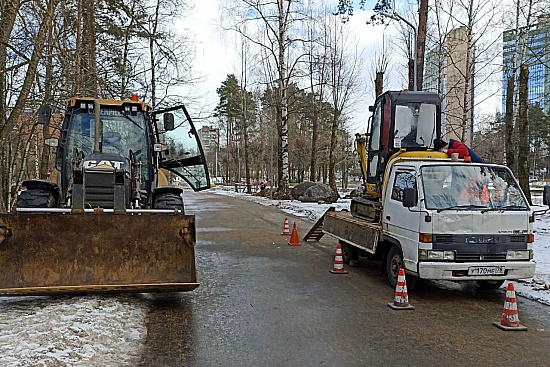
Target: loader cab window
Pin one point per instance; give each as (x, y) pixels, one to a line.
(81, 133)
(415, 125)
(124, 130)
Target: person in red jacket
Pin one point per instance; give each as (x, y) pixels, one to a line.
(455, 146)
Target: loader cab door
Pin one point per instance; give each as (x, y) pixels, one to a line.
(182, 152)
(379, 138)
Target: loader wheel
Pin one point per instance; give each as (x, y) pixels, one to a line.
(169, 201)
(489, 284)
(36, 198)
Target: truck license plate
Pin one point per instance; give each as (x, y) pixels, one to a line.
(486, 270)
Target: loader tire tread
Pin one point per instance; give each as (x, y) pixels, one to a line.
(36, 198)
(169, 201)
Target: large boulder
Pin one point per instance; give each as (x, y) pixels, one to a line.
(300, 189)
(319, 193)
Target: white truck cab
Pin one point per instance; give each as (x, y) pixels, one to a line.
(459, 221)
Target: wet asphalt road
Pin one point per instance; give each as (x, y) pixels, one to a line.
(264, 303)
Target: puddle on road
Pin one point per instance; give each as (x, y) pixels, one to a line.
(214, 229)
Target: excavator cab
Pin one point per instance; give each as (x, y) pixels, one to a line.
(400, 120)
(402, 123)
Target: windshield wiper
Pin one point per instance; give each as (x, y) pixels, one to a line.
(504, 207)
(465, 206)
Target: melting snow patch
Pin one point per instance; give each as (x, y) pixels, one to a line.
(71, 331)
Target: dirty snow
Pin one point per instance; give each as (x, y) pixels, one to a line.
(536, 288)
(72, 331)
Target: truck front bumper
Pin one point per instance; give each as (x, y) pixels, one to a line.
(459, 271)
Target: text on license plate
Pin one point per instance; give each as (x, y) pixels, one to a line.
(486, 270)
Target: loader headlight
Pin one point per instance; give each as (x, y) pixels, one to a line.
(519, 255)
(436, 255)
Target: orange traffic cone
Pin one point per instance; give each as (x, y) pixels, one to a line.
(401, 300)
(294, 241)
(338, 262)
(510, 318)
(286, 229)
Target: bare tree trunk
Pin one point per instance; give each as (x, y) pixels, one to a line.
(314, 136)
(509, 123)
(48, 78)
(468, 87)
(421, 41)
(7, 21)
(123, 71)
(283, 85)
(8, 14)
(523, 131)
(89, 72)
(30, 74)
(411, 74)
(332, 152)
(152, 56)
(378, 84)
(78, 51)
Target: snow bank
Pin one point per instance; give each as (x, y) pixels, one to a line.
(71, 331)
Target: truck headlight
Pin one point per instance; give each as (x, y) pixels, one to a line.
(436, 255)
(519, 255)
(422, 255)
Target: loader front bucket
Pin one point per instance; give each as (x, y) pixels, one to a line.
(43, 254)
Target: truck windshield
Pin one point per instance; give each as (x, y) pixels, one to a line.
(471, 187)
(415, 125)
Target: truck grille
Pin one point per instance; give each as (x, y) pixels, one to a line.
(449, 238)
(479, 247)
(479, 257)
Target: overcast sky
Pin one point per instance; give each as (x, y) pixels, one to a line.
(216, 58)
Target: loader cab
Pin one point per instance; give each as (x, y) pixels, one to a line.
(401, 120)
(130, 139)
(125, 134)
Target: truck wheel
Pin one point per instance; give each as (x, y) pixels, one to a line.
(349, 252)
(169, 200)
(394, 262)
(489, 284)
(36, 198)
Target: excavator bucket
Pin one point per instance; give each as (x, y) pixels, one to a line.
(43, 254)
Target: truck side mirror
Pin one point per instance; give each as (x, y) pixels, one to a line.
(409, 197)
(546, 195)
(371, 108)
(44, 115)
(168, 119)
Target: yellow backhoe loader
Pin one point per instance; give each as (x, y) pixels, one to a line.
(112, 222)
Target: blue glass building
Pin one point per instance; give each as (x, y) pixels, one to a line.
(537, 56)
